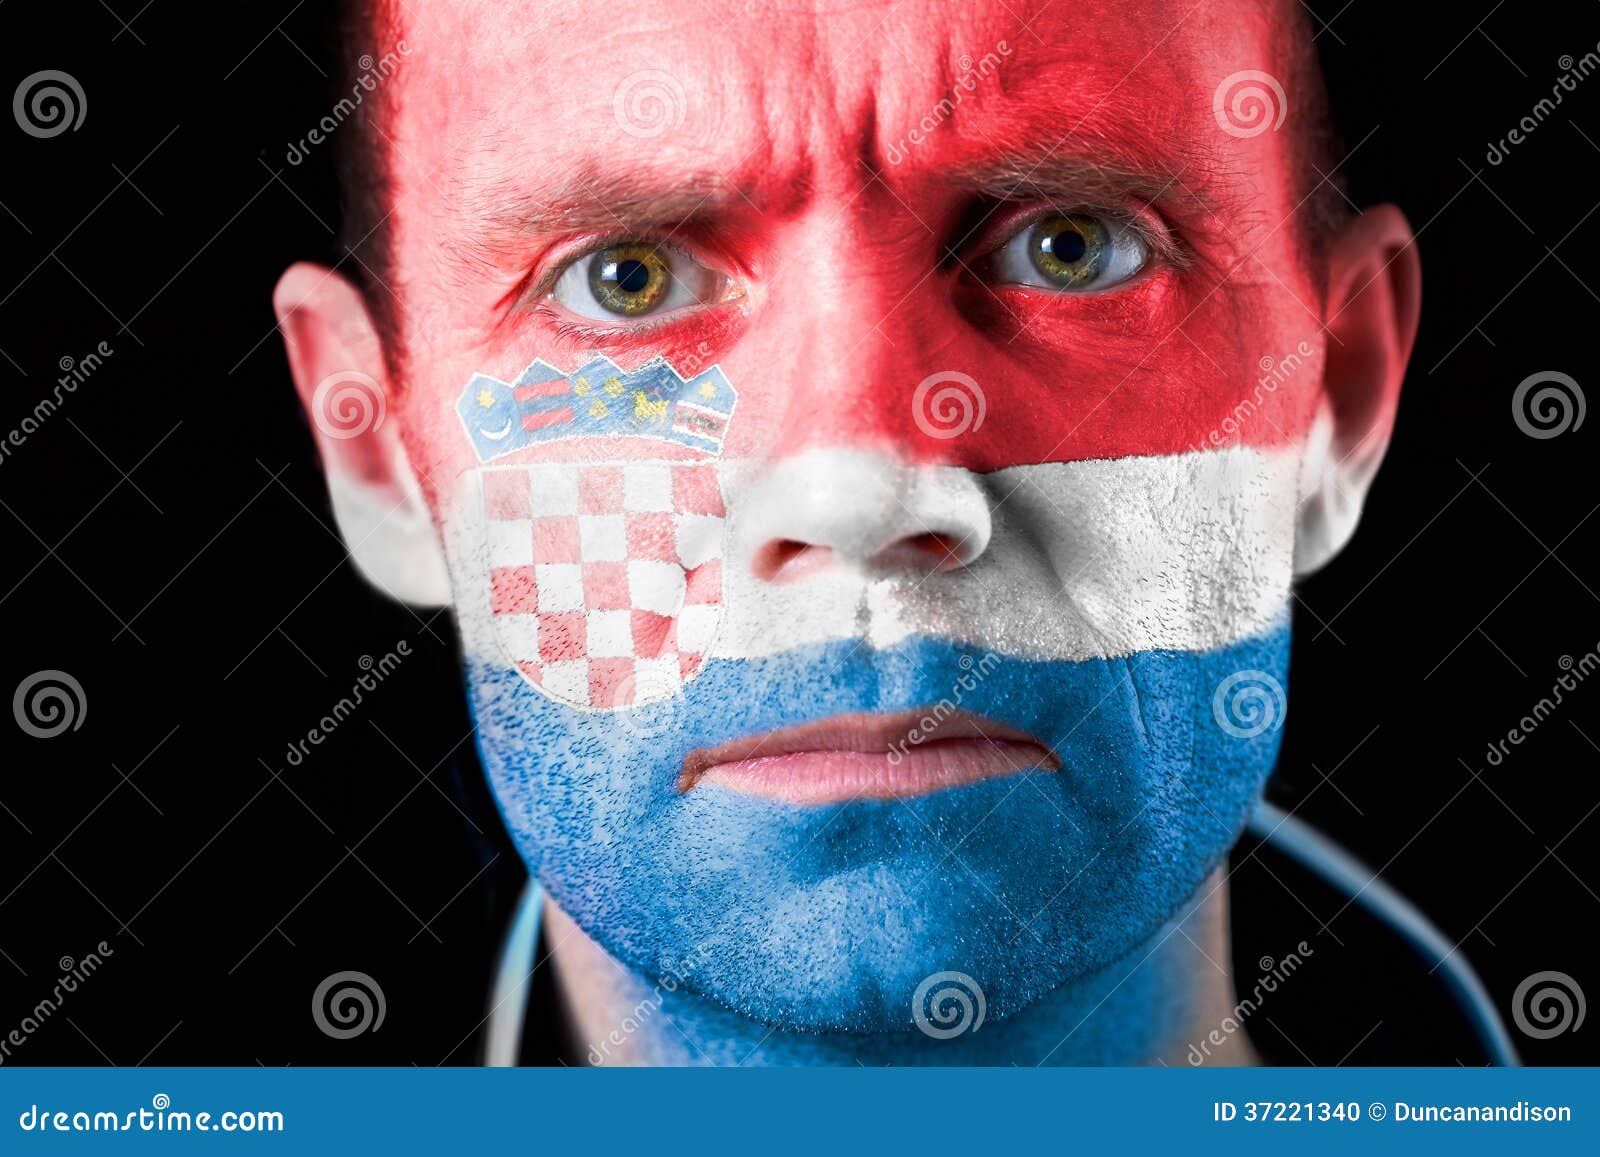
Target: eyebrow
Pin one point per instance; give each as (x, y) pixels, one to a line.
(1066, 180)
(588, 199)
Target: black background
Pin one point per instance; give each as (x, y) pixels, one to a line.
(167, 542)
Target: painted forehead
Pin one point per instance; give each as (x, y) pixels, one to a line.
(781, 115)
(771, 97)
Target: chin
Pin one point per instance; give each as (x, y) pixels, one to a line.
(827, 916)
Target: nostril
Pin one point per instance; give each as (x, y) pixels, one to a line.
(788, 560)
(929, 552)
(943, 550)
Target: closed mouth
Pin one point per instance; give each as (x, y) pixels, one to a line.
(868, 756)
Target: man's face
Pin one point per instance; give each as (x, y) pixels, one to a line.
(986, 647)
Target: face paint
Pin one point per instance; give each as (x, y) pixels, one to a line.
(1086, 550)
(597, 666)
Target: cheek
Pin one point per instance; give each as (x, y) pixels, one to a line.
(436, 441)
(1163, 371)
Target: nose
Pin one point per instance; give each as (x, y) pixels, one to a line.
(860, 510)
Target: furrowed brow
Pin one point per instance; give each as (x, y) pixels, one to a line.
(582, 201)
(1068, 181)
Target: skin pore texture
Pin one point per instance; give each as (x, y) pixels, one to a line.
(946, 492)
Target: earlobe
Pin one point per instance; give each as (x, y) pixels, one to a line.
(1373, 299)
(336, 359)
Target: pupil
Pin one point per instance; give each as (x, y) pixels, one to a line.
(632, 275)
(1068, 246)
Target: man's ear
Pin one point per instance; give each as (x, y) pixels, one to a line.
(336, 358)
(1374, 294)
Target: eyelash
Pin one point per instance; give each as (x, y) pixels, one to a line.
(532, 293)
(569, 329)
(538, 285)
(1164, 246)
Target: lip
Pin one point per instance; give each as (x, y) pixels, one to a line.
(868, 756)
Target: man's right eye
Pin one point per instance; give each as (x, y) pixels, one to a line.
(634, 279)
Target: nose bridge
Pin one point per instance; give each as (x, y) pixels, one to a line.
(847, 332)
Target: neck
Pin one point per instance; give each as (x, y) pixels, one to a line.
(1146, 1008)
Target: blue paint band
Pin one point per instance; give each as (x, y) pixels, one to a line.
(828, 917)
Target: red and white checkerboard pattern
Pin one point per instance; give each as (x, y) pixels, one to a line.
(606, 579)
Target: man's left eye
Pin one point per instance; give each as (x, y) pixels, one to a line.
(635, 279)
(1077, 252)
